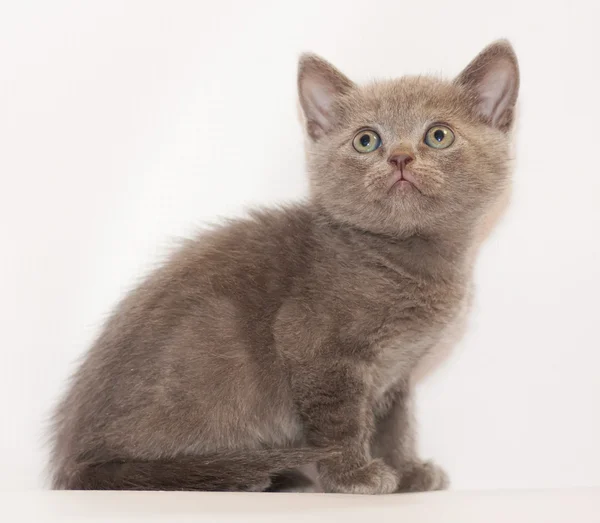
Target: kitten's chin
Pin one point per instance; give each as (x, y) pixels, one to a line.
(402, 186)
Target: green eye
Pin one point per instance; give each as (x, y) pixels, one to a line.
(366, 141)
(439, 137)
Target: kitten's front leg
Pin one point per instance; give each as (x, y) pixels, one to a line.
(394, 442)
(333, 403)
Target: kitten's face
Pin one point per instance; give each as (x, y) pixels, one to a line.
(411, 155)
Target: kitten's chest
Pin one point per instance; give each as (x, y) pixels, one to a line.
(405, 326)
(408, 311)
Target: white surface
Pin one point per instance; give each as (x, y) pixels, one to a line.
(550, 506)
(123, 124)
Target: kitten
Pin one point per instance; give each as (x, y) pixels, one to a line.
(291, 337)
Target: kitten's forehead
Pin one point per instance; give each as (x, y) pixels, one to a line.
(406, 104)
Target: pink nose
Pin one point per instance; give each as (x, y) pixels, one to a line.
(400, 161)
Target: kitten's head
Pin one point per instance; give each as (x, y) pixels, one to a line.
(412, 155)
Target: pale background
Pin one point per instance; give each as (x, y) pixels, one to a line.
(125, 124)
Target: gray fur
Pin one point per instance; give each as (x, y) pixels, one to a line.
(292, 336)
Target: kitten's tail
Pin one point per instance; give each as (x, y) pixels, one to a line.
(252, 470)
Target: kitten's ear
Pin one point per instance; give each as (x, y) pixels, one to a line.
(493, 80)
(319, 84)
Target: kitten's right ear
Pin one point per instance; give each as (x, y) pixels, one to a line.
(319, 84)
(493, 80)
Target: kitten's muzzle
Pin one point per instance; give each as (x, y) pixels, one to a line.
(402, 176)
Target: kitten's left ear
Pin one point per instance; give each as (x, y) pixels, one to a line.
(319, 84)
(493, 80)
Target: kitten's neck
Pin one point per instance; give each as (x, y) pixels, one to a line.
(444, 254)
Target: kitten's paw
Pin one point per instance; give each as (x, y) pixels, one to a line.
(423, 476)
(374, 478)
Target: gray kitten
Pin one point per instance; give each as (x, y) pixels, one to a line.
(292, 336)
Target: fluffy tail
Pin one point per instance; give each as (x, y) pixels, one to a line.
(252, 470)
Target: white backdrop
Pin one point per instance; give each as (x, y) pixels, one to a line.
(124, 124)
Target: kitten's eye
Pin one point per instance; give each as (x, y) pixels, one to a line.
(439, 137)
(366, 141)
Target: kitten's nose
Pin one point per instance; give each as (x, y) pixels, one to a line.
(400, 160)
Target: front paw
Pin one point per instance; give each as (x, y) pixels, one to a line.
(423, 476)
(374, 478)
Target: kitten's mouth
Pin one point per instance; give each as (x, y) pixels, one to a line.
(402, 180)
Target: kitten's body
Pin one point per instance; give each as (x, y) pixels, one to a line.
(297, 328)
